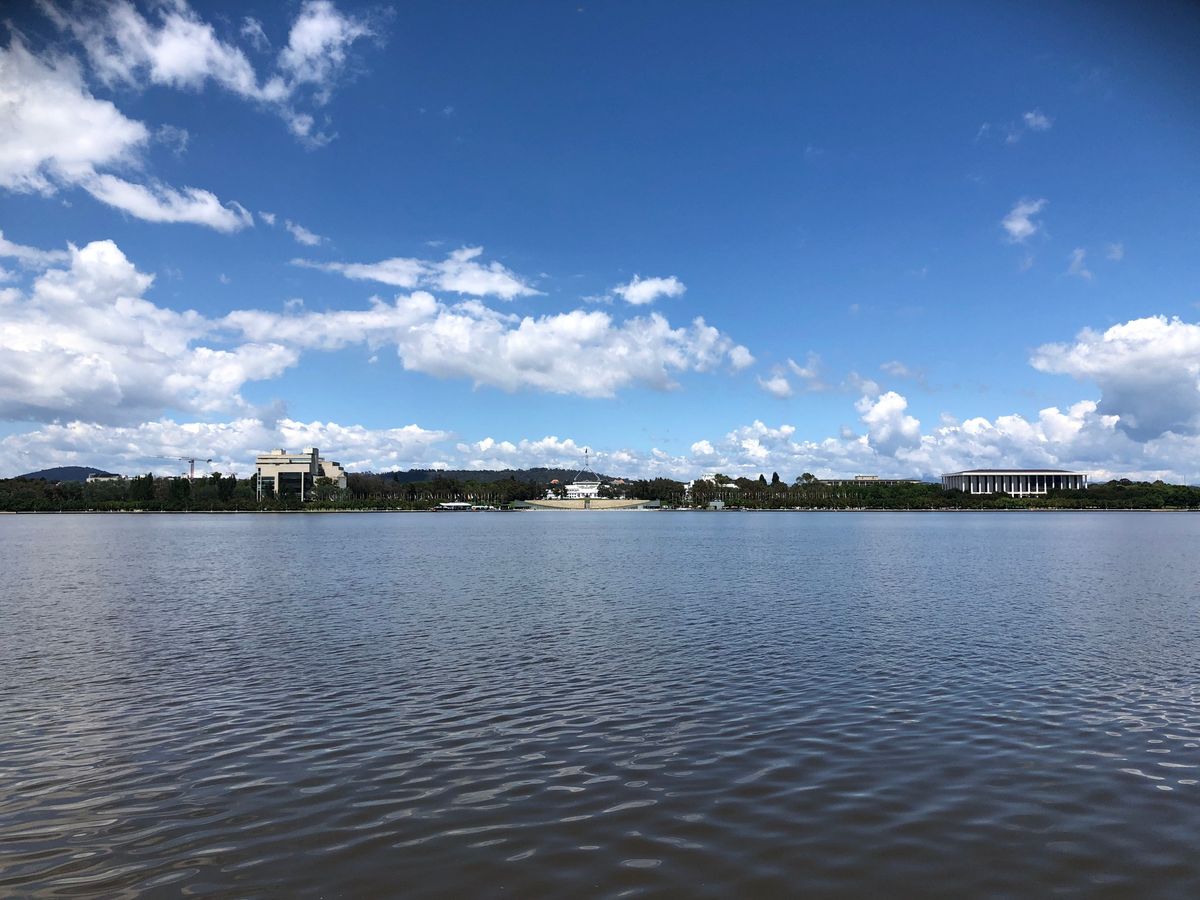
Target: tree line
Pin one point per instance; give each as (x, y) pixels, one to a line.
(371, 491)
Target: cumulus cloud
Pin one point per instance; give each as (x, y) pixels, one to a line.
(54, 133)
(174, 47)
(740, 358)
(641, 291)
(776, 385)
(1080, 437)
(461, 272)
(893, 444)
(889, 428)
(84, 342)
(1019, 224)
(578, 352)
(1148, 371)
(299, 232)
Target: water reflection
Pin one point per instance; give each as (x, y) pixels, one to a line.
(599, 703)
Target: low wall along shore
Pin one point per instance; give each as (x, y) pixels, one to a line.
(595, 503)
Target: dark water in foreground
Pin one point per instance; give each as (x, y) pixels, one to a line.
(600, 703)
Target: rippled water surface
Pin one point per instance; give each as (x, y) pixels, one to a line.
(600, 704)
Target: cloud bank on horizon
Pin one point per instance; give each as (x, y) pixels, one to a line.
(120, 344)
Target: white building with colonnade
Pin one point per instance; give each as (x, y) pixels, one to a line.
(1016, 482)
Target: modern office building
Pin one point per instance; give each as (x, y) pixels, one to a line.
(1016, 482)
(294, 474)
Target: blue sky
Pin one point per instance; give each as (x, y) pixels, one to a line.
(918, 239)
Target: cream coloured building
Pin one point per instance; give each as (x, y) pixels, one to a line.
(281, 473)
(1016, 482)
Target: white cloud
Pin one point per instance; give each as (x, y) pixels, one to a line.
(1115, 252)
(889, 428)
(810, 373)
(1019, 224)
(252, 30)
(317, 43)
(32, 257)
(300, 233)
(1148, 371)
(1079, 437)
(1077, 264)
(740, 358)
(460, 272)
(54, 133)
(173, 138)
(175, 47)
(777, 385)
(155, 202)
(1036, 120)
(641, 291)
(84, 342)
(268, 217)
(51, 128)
(577, 352)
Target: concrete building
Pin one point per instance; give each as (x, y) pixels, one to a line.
(860, 480)
(1015, 482)
(282, 474)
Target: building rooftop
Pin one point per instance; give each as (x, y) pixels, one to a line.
(1016, 472)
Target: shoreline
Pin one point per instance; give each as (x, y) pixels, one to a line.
(313, 512)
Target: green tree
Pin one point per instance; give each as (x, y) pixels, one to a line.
(179, 493)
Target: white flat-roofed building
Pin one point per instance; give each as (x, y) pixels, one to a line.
(585, 487)
(1015, 482)
(280, 473)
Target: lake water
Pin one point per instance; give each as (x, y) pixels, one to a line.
(600, 704)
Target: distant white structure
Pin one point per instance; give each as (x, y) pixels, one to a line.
(586, 485)
(280, 473)
(97, 476)
(868, 479)
(1015, 482)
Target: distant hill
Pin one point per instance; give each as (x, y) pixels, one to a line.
(64, 473)
(485, 476)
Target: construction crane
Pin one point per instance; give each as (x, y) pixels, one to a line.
(190, 460)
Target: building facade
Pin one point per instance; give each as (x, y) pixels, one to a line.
(585, 487)
(281, 474)
(860, 480)
(1015, 482)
